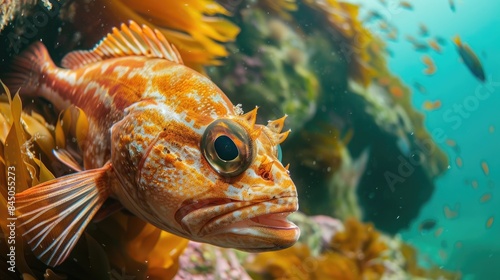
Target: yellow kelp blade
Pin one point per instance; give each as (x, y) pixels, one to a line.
(72, 122)
(13, 156)
(40, 134)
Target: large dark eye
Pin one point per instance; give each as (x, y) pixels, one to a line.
(227, 147)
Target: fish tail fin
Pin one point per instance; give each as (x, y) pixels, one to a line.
(54, 214)
(26, 70)
(457, 40)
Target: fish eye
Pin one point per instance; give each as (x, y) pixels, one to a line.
(227, 147)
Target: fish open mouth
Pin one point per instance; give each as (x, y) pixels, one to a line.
(234, 214)
(275, 220)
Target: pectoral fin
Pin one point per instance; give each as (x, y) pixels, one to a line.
(54, 214)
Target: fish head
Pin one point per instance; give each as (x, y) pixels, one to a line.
(222, 183)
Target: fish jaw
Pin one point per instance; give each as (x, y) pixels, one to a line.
(243, 225)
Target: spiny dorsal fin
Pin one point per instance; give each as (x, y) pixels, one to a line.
(131, 40)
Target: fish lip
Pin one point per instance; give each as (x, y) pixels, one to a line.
(280, 217)
(253, 218)
(189, 207)
(290, 206)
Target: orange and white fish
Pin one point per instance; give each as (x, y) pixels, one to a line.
(164, 141)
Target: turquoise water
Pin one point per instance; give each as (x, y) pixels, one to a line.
(466, 243)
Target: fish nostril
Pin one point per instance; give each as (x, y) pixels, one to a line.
(266, 176)
(264, 171)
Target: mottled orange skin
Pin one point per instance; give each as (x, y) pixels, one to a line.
(147, 117)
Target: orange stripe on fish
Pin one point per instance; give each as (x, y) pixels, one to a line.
(164, 141)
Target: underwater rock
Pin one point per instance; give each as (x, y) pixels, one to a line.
(329, 227)
(204, 261)
(310, 232)
(7, 11)
(343, 186)
(10, 8)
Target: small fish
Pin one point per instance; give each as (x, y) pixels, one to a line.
(470, 59)
(420, 47)
(438, 232)
(452, 5)
(407, 5)
(442, 254)
(431, 67)
(459, 244)
(485, 167)
(475, 184)
(434, 45)
(453, 144)
(392, 35)
(418, 86)
(451, 213)
(450, 142)
(164, 141)
(431, 105)
(411, 39)
(459, 162)
(423, 30)
(427, 225)
(373, 15)
(440, 40)
(383, 25)
(490, 221)
(491, 129)
(485, 197)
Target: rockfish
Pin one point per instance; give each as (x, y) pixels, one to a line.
(164, 141)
